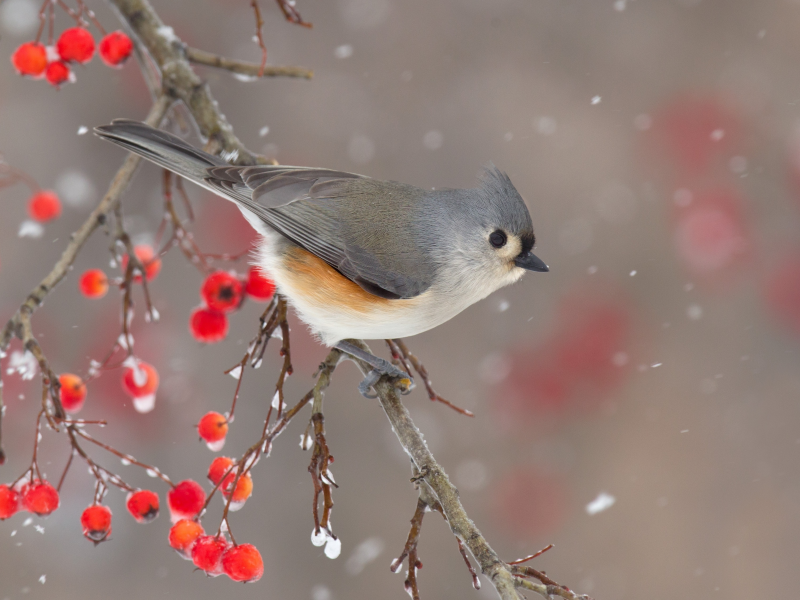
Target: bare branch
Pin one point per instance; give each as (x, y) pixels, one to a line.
(201, 57)
(506, 579)
(181, 82)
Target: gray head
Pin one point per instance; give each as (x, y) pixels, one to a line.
(485, 236)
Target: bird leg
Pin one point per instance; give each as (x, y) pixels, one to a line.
(379, 367)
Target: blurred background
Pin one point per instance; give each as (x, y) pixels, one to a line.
(655, 368)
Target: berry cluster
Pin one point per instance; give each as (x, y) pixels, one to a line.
(213, 554)
(74, 45)
(223, 293)
(35, 496)
(41, 498)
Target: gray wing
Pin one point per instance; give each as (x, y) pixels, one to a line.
(349, 221)
(360, 226)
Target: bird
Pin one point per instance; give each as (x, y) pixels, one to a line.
(357, 257)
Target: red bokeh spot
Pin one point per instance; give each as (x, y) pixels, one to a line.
(529, 503)
(693, 132)
(710, 233)
(783, 292)
(577, 366)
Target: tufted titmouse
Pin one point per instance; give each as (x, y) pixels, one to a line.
(358, 257)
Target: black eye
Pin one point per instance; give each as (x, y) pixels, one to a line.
(498, 239)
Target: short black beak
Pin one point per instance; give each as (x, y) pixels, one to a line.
(531, 262)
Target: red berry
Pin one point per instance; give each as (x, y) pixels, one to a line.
(207, 325)
(93, 283)
(186, 500)
(72, 392)
(219, 466)
(9, 501)
(141, 383)
(222, 291)
(30, 59)
(115, 48)
(213, 428)
(244, 489)
(243, 563)
(57, 73)
(96, 522)
(40, 498)
(149, 260)
(75, 44)
(207, 554)
(44, 205)
(143, 505)
(259, 287)
(183, 535)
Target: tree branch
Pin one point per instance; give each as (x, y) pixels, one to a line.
(505, 579)
(201, 57)
(181, 82)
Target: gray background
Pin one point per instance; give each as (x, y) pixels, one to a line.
(701, 452)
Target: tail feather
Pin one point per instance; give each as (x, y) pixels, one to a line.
(160, 147)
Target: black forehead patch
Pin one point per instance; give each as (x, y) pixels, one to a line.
(528, 241)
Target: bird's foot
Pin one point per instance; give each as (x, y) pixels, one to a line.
(380, 367)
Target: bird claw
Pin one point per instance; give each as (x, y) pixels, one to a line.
(367, 383)
(403, 382)
(380, 367)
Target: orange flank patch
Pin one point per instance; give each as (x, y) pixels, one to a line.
(318, 282)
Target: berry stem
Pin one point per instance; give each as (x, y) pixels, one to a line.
(259, 36)
(91, 16)
(125, 457)
(66, 469)
(291, 13)
(401, 353)
(75, 15)
(96, 469)
(10, 175)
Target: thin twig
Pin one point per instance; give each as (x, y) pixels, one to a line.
(291, 13)
(260, 37)
(248, 69)
(401, 352)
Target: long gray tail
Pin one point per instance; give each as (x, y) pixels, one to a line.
(160, 147)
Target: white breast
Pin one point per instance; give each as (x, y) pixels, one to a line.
(332, 321)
